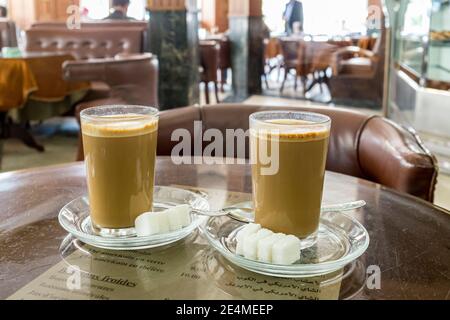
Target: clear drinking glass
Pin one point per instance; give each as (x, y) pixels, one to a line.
(288, 155)
(120, 154)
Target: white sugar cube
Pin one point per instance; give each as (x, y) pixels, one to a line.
(174, 219)
(265, 247)
(184, 214)
(286, 251)
(164, 223)
(251, 243)
(179, 217)
(247, 230)
(148, 224)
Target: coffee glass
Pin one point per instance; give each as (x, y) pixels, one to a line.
(288, 155)
(120, 154)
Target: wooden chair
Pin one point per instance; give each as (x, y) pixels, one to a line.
(209, 58)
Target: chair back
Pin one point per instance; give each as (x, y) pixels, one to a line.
(132, 78)
(289, 48)
(209, 60)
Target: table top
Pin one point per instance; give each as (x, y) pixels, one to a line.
(409, 244)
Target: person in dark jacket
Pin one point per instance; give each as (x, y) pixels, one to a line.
(120, 10)
(3, 12)
(292, 14)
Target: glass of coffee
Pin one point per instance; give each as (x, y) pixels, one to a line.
(120, 154)
(288, 155)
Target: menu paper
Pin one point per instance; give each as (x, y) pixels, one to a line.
(189, 269)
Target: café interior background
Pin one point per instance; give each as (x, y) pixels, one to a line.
(416, 83)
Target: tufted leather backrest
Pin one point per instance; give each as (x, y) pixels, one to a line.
(93, 24)
(87, 43)
(363, 146)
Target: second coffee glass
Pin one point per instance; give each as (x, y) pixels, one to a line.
(289, 152)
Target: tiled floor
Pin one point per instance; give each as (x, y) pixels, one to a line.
(60, 141)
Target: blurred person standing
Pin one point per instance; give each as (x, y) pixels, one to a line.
(293, 14)
(3, 12)
(120, 12)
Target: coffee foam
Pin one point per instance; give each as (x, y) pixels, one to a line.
(128, 125)
(288, 132)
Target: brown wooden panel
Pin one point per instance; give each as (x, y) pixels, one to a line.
(245, 8)
(164, 5)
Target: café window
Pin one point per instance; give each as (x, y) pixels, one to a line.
(340, 18)
(99, 9)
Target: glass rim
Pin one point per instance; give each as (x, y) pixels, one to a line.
(85, 116)
(326, 119)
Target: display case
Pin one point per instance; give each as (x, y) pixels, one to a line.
(423, 42)
(419, 77)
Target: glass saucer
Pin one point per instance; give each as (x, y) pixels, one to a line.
(75, 219)
(340, 240)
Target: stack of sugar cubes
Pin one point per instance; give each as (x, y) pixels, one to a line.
(153, 223)
(263, 245)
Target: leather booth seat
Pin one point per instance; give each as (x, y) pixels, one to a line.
(85, 44)
(93, 24)
(358, 74)
(139, 27)
(133, 79)
(94, 40)
(368, 147)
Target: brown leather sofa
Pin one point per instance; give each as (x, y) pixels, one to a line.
(359, 73)
(133, 79)
(95, 40)
(138, 26)
(8, 36)
(86, 43)
(93, 24)
(367, 147)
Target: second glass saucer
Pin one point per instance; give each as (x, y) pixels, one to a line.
(341, 239)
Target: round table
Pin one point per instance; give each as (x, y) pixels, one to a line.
(408, 256)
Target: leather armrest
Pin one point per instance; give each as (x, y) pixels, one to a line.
(87, 70)
(395, 157)
(97, 69)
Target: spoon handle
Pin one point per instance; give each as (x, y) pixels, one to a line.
(344, 206)
(326, 209)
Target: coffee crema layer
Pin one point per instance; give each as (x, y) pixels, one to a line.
(287, 130)
(127, 125)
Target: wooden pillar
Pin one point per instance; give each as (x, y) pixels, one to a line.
(173, 37)
(215, 15)
(247, 41)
